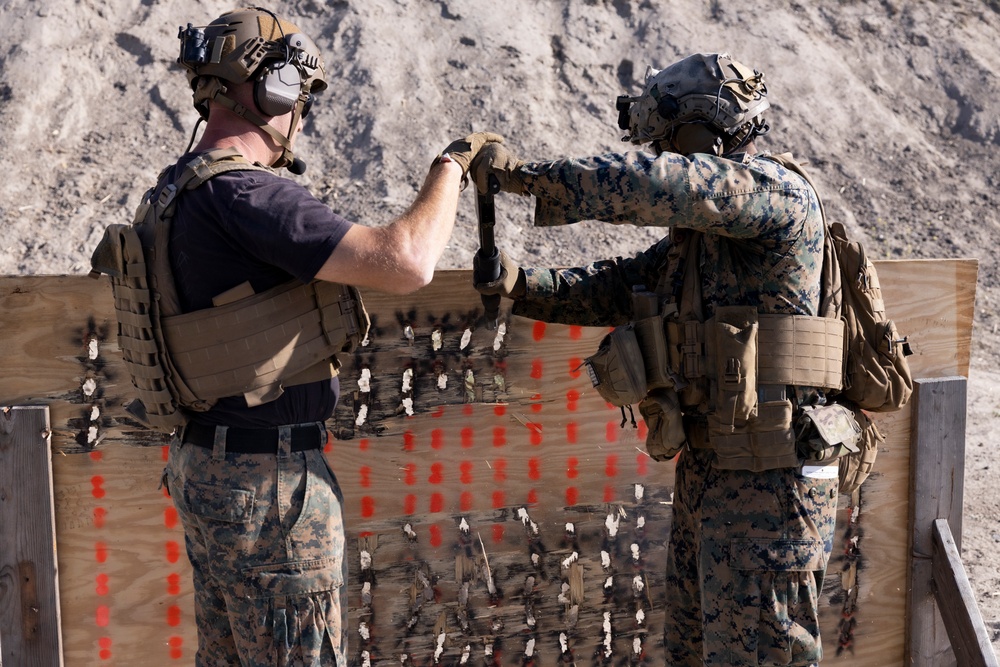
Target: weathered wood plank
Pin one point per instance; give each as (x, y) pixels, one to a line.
(953, 592)
(29, 584)
(936, 492)
(421, 491)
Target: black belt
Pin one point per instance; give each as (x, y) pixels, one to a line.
(256, 440)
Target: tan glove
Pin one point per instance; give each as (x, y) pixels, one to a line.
(497, 160)
(510, 284)
(462, 151)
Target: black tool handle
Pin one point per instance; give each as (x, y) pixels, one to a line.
(486, 263)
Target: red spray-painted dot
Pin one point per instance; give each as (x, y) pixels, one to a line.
(497, 533)
(609, 493)
(105, 644)
(96, 455)
(175, 644)
(363, 444)
(611, 466)
(173, 584)
(499, 436)
(534, 469)
(538, 331)
(100, 552)
(575, 332)
(99, 515)
(365, 476)
(97, 482)
(173, 616)
(437, 474)
(574, 367)
(170, 517)
(536, 433)
(465, 468)
(166, 492)
(102, 584)
(499, 410)
(410, 471)
(572, 433)
(611, 432)
(643, 429)
(438, 413)
(437, 503)
(435, 536)
(165, 452)
(536, 369)
(466, 437)
(466, 501)
(571, 495)
(572, 398)
(437, 438)
(102, 616)
(499, 499)
(173, 552)
(641, 462)
(408, 441)
(467, 409)
(532, 498)
(571, 471)
(410, 504)
(500, 470)
(367, 506)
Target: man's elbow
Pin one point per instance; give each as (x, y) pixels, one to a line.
(414, 275)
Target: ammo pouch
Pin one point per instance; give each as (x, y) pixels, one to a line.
(617, 369)
(827, 432)
(661, 409)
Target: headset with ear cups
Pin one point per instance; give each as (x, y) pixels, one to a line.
(277, 87)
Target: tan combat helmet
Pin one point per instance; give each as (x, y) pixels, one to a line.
(706, 103)
(254, 45)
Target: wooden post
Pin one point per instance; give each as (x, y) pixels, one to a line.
(29, 598)
(936, 490)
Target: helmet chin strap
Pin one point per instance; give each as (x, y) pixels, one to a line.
(287, 158)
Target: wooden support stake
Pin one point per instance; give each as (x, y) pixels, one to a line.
(936, 488)
(29, 587)
(957, 603)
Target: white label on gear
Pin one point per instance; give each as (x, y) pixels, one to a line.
(821, 472)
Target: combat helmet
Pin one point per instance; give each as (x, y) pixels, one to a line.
(705, 102)
(254, 45)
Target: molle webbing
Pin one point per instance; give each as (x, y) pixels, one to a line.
(250, 346)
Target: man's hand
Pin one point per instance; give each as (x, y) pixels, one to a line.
(497, 160)
(462, 151)
(510, 284)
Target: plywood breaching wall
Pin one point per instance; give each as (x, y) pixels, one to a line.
(509, 519)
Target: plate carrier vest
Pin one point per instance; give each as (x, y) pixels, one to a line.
(247, 344)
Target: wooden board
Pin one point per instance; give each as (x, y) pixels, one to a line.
(518, 466)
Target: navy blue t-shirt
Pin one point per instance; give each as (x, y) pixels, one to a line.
(256, 226)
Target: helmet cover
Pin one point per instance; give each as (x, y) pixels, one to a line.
(710, 89)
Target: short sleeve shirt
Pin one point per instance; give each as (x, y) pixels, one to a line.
(256, 226)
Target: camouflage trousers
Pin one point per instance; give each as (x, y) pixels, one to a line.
(747, 556)
(265, 537)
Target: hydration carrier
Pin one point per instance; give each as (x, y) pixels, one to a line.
(247, 344)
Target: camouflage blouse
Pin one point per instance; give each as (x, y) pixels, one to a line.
(763, 241)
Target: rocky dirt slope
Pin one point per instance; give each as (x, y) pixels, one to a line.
(895, 104)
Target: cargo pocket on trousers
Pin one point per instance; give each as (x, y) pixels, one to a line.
(292, 612)
(218, 503)
(776, 599)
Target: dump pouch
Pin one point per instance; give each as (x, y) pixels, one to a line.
(617, 369)
(855, 468)
(826, 432)
(768, 442)
(661, 409)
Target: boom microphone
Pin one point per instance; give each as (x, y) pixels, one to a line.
(297, 167)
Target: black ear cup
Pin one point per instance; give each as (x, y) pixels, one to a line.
(276, 88)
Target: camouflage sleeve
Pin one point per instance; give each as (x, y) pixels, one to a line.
(751, 199)
(598, 294)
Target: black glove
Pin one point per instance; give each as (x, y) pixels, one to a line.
(510, 284)
(462, 151)
(497, 160)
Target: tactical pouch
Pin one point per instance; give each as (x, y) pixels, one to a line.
(653, 347)
(826, 432)
(732, 343)
(765, 443)
(855, 468)
(617, 369)
(661, 409)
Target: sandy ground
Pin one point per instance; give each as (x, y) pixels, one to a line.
(895, 105)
